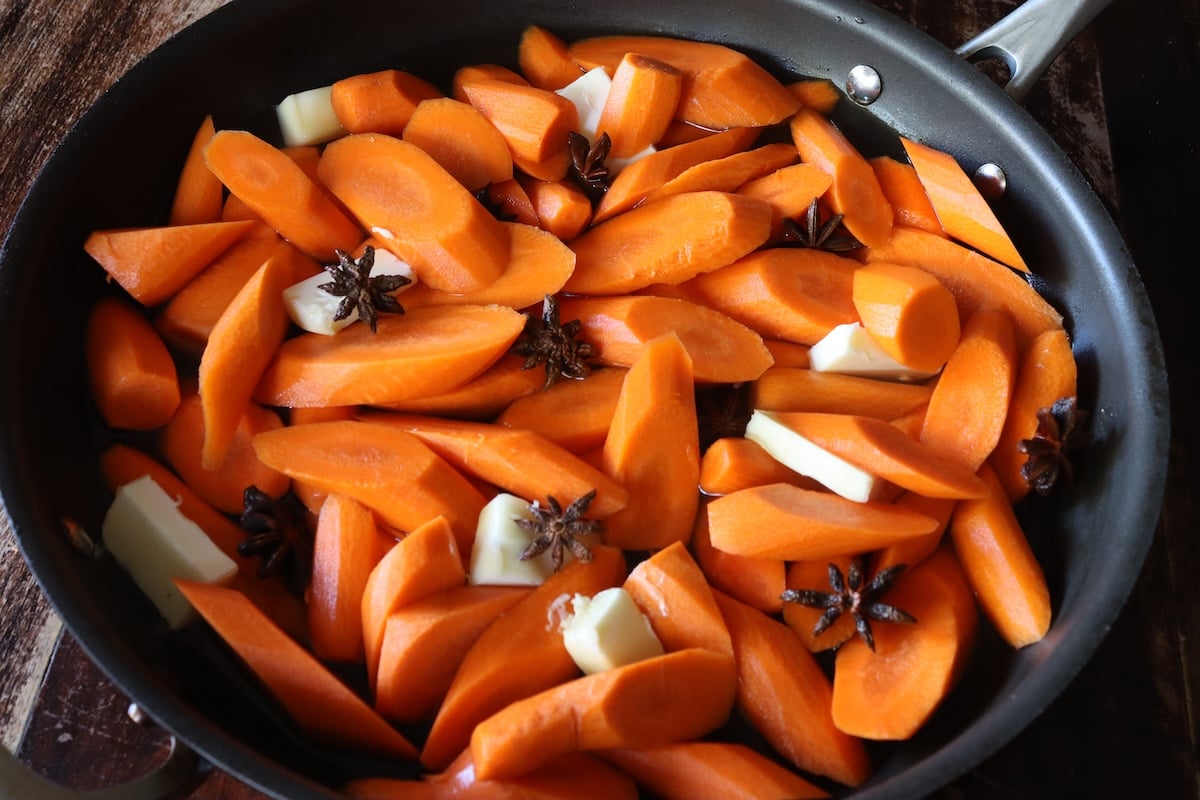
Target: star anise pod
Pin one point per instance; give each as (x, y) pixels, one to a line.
(1057, 431)
(352, 281)
(557, 531)
(721, 410)
(554, 344)
(817, 235)
(279, 533)
(850, 596)
(587, 163)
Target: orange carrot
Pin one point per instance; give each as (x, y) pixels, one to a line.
(786, 696)
(730, 770)
(855, 191)
(418, 210)
(512, 202)
(890, 692)
(722, 88)
(1046, 374)
(653, 449)
(562, 208)
(426, 352)
(640, 105)
(544, 60)
(619, 328)
(963, 212)
(680, 132)
(535, 122)
(789, 190)
(671, 591)
(691, 691)
(728, 174)
(977, 281)
(788, 354)
(573, 414)
(906, 194)
(757, 582)
(152, 264)
(553, 167)
(518, 461)
(279, 191)
(426, 561)
(520, 654)
(814, 576)
(326, 710)
(1000, 565)
(784, 521)
(915, 550)
(798, 389)
(670, 241)
(734, 462)
(305, 415)
(425, 641)
(482, 397)
(242, 342)
(819, 94)
(475, 72)
(182, 441)
(797, 294)
(968, 405)
(461, 140)
(346, 548)
(132, 377)
(198, 194)
(379, 102)
(912, 316)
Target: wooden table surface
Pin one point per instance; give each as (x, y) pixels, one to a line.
(1116, 102)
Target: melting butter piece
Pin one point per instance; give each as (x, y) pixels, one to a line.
(608, 630)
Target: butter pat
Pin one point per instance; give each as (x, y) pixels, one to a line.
(850, 349)
(802, 455)
(314, 309)
(608, 630)
(308, 118)
(155, 543)
(499, 542)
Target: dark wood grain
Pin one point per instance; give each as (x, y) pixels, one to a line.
(1117, 102)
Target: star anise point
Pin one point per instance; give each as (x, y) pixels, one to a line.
(558, 531)
(361, 291)
(850, 596)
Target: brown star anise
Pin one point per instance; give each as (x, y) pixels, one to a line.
(850, 596)
(279, 532)
(557, 531)
(1057, 431)
(352, 281)
(721, 410)
(554, 344)
(587, 163)
(816, 235)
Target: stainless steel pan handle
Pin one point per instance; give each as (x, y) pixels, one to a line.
(1030, 37)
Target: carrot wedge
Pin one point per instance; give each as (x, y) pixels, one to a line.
(562, 208)
(672, 592)
(800, 389)
(544, 59)
(534, 122)
(573, 414)
(198, 194)
(819, 94)
(789, 191)
(735, 462)
(325, 708)
(379, 102)
(904, 191)
(915, 550)
(691, 691)
(461, 140)
(133, 380)
(728, 174)
(640, 104)
(908, 311)
(483, 397)
(757, 582)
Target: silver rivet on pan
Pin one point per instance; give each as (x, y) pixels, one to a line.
(991, 181)
(863, 84)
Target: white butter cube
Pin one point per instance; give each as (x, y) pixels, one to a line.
(155, 543)
(802, 455)
(850, 349)
(499, 542)
(608, 630)
(308, 118)
(313, 308)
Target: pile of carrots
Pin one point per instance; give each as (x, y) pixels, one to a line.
(682, 281)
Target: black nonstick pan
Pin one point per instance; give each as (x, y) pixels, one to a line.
(118, 166)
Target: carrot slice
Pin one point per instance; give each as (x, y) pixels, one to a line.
(788, 354)
(476, 72)
(890, 692)
(687, 770)
(757, 582)
(672, 592)
(653, 449)
(426, 352)
(814, 576)
(562, 208)
(722, 350)
(510, 201)
(789, 191)
(968, 406)
(425, 641)
(734, 462)
(906, 194)
(325, 708)
(152, 264)
(418, 210)
(786, 696)
(535, 122)
(1046, 374)
(728, 174)
(819, 94)
(544, 60)
(346, 548)
(963, 212)
(280, 192)
(379, 102)
(518, 655)
(912, 316)
(462, 140)
(680, 132)
(640, 105)
(855, 191)
(722, 87)
(691, 691)
(915, 550)
(133, 380)
(392, 472)
(482, 397)
(799, 389)
(198, 194)
(519, 461)
(797, 294)
(575, 415)
(1000, 565)
(661, 242)
(784, 521)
